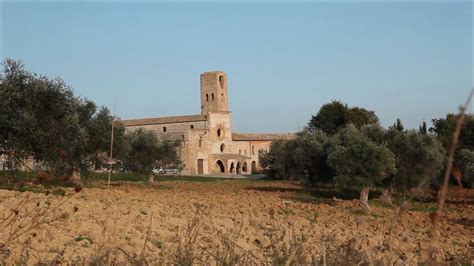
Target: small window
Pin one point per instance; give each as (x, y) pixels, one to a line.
(222, 147)
(219, 132)
(200, 142)
(191, 126)
(222, 97)
(212, 96)
(240, 152)
(221, 81)
(164, 129)
(253, 150)
(207, 97)
(245, 151)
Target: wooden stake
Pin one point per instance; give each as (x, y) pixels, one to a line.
(111, 144)
(447, 174)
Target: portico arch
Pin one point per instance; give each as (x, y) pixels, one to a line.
(220, 166)
(244, 167)
(238, 169)
(254, 167)
(231, 168)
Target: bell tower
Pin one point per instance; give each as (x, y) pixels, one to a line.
(214, 96)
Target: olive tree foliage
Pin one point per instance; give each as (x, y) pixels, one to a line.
(143, 150)
(146, 151)
(100, 134)
(465, 161)
(374, 132)
(306, 155)
(443, 128)
(311, 155)
(359, 162)
(168, 153)
(302, 157)
(42, 118)
(279, 162)
(418, 156)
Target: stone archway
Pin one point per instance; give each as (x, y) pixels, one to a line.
(244, 167)
(231, 168)
(220, 166)
(238, 168)
(254, 167)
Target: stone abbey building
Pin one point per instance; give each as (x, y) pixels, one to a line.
(208, 144)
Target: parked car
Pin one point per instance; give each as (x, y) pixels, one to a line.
(170, 171)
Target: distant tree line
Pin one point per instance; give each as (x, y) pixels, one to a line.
(43, 119)
(347, 146)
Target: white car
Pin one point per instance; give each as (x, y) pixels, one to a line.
(171, 171)
(157, 170)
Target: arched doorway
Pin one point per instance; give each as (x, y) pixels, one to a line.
(232, 168)
(237, 169)
(244, 167)
(220, 166)
(254, 167)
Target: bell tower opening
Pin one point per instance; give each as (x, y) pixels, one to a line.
(214, 97)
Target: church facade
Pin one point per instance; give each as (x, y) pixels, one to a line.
(208, 145)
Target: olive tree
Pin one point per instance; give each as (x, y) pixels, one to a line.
(279, 160)
(302, 157)
(146, 150)
(417, 156)
(43, 119)
(466, 162)
(359, 162)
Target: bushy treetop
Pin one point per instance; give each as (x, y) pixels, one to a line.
(358, 161)
(335, 115)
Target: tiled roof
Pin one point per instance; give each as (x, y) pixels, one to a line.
(230, 156)
(264, 136)
(163, 120)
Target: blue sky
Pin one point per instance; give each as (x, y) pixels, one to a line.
(283, 60)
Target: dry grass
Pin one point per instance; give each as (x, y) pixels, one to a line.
(221, 223)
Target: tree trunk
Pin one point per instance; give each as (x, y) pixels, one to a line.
(76, 179)
(151, 178)
(76, 175)
(387, 195)
(364, 198)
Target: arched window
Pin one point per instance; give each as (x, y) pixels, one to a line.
(222, 147)
(222, 97)
(219, 132)
(212, 96)
(221, 81)
(207, 97)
